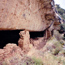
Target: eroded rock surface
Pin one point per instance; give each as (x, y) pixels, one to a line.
(33, 15)
(10, 54)
(24, 41)
(38, 43)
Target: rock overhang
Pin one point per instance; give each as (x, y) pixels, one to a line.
(32, 15)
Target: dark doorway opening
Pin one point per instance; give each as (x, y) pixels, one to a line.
(34, 35)
(9, 37)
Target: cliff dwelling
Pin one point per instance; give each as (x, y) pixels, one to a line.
(12, 36)
(34, 16)
(7, 36)
(34, 35)
(25, 27)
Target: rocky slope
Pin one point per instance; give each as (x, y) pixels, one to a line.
(33, 51)
(52, 53)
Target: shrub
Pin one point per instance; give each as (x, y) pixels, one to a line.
(33, 61)
(37, 61)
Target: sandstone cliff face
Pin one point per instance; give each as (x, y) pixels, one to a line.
(33, 15)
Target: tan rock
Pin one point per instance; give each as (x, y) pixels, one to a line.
(38, 43)
(24, 40)
(11, 54)
(33, 15)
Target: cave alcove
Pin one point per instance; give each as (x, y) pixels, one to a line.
(35, 35)
(9, 37)
(12, 36)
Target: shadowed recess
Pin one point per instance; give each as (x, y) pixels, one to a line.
(9, 37)
(37, 34)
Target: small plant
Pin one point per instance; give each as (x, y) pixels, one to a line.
(64, 36)
(62, 43)
(62, 28)
(4, 63)
(56, 51)
(63, 62)
(37, 61)
(33, 61)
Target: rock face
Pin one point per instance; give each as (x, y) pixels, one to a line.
(28, 15)
(32, 15)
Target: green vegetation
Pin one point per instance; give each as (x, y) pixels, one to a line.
(61, 11)
(62, 27)
(37, 61)
(33, 61)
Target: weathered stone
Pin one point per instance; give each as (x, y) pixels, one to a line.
(24, 40)
(38, 43)
(11, 54)
(32, 15)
